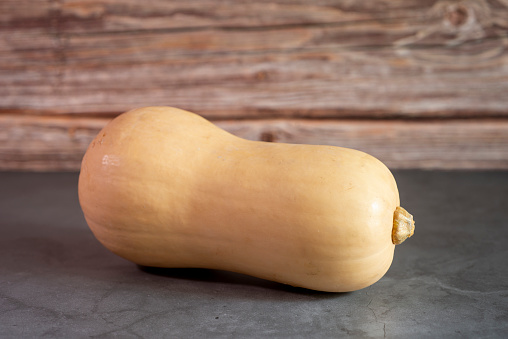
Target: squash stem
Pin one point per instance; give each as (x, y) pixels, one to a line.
(403, 225)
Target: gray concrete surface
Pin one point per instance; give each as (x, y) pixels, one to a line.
(449, 281)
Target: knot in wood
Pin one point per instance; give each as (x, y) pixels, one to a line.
(456, 15)
(262, 75)
(268, 136)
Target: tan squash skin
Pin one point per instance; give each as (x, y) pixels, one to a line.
(164, 187)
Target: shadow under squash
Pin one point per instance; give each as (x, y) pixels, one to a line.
(232, 278)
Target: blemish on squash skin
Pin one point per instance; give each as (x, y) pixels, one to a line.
(100, 141)
(109, 159)
(312, 268)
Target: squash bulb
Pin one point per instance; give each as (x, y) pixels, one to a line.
(163, 187)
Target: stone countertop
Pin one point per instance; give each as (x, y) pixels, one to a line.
(449, 281)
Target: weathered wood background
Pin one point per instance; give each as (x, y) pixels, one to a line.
(417, 83)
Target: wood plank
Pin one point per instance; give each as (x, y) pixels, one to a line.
(320, 59)
(92, 16)
(430, 144)
(58, 143)
(45, 143)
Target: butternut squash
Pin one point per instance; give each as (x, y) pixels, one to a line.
(163, 187)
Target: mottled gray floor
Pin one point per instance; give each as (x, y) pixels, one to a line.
(449, 281)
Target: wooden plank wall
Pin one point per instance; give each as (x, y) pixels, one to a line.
(417, 83)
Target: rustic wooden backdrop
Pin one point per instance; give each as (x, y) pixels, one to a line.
(417, 83)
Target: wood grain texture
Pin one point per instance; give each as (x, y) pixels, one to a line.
(58, 143)
(242, 59)
(417, 83)
(45, 143)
